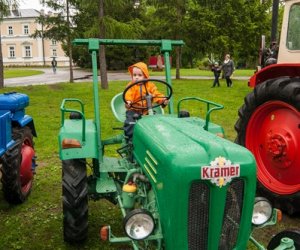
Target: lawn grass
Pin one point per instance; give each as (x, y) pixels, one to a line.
(37, 224)
(12, 73)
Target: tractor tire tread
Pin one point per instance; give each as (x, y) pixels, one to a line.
(11, 164)
(284, 89)
(75, 200)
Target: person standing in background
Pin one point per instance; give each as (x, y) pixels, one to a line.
(54, 65)
(228, 68)
(217, 71)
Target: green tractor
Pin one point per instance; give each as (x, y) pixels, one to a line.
(178, 183)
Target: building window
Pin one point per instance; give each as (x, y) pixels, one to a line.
(53, 42)
(26, 29)
(10, 30)
(54, 52)
(27, 51)
(12, 53)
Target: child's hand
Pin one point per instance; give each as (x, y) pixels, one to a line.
(165, 103)
(128, 104)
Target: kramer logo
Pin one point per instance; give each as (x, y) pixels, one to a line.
(220, 172)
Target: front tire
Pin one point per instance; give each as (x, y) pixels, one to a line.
(18, 167)
(293, 234)
(268, 126)
(75, 200)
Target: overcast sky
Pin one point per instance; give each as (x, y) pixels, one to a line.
(31, 4)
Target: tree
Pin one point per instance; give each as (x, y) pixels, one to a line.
(166, 22)
(4, 10)
(206, 26)
(1, 66)
(102, 59)
(211, 26)
(108, 19)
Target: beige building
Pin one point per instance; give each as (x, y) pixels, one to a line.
(18, 48)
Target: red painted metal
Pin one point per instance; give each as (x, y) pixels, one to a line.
(26, 173)
(274, 71)
(153, 61)
(273, 136)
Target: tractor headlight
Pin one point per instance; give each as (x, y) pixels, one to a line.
(139, 224)
(262, 211)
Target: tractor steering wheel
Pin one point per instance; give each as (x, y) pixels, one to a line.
(148, 97)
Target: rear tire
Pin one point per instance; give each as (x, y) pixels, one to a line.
(16, 183)
(269, 126)
(75, 200)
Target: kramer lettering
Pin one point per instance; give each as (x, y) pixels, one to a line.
(217, 172)
(220, 172)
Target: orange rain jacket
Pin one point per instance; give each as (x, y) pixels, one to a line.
(134, 93)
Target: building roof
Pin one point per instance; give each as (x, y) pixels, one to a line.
(21, 13)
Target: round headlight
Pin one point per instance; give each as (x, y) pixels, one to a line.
(138, 224)
(262, 211)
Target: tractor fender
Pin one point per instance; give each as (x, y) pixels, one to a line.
(274, 71)
(23, 121)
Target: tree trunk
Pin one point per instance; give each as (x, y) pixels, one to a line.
(102, 59)
(70, 45)
(1, 66)
(70, 60)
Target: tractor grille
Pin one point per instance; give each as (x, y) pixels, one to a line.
(198, 216)
(232, 215)
(198, 213)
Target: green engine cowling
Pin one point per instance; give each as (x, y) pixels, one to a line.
(205, 185)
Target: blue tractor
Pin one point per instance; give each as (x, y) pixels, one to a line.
(17, 155)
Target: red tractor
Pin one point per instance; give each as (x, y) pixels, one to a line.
(269, 120)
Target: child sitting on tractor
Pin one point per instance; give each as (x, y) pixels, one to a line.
(139, 95)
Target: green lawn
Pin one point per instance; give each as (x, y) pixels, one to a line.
(11, 73)
(37, 224)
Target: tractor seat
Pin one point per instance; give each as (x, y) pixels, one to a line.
(119, 110)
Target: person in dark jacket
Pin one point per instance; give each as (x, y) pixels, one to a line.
(228, 68)
(54, 65)
(217, 71)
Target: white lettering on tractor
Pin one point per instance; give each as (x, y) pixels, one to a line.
(220, 172)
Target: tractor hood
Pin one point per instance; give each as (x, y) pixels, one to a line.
(180, 142)
(175, 155)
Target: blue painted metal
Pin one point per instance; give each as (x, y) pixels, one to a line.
(5, 131)
(12, 112)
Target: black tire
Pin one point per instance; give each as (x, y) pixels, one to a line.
(293, 234)
(15, 189)
(75, 200)
(283, 91)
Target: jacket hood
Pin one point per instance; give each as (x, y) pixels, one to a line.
(142, 66)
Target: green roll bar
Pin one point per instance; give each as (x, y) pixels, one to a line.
(209, 109)
(94, 45)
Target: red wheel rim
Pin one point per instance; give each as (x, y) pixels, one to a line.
(26, 172)
(272, 135)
